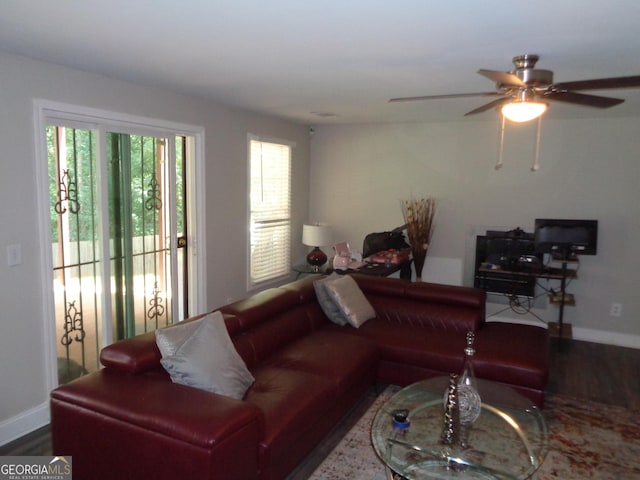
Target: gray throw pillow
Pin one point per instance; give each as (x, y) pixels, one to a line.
(328, 306)
(171, 338)
(346, 293)
(208, 360)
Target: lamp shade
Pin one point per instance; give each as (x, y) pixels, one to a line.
(318, 235)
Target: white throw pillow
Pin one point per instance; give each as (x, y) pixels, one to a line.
(206, 359)
(346, 293)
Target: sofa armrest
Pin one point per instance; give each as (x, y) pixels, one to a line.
(109, 415)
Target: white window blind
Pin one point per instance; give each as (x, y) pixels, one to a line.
(270, 204)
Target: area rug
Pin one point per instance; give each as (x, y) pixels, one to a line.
(587, 441)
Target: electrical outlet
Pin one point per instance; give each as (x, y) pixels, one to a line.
(616, 309)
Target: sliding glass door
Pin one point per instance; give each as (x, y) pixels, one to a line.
(121, 197)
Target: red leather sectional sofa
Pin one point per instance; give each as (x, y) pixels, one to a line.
(129, 421)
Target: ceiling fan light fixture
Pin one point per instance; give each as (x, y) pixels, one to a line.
(523, 108)
(523, 111)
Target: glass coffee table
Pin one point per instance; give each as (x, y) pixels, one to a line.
(507, 441)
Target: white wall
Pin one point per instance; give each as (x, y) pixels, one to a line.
(589, 169)
(23, 394)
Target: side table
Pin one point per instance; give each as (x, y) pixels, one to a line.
(382, 270)
(306, 269)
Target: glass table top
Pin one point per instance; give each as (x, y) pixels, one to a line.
(508, 441)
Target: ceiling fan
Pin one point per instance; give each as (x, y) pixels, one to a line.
(522, 93)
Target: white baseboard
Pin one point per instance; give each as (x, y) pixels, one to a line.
(584, 334)
(610, 338)
(522, 321)
(24, 423)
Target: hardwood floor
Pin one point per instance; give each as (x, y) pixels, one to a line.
(591, 371)
(37, 442)
(594, 371)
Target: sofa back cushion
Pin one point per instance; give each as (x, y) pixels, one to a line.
(274, 333)
(260, 307)
(429, 316)
(432, 306)
(273, 318)
(258, 326)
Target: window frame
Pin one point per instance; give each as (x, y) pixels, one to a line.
(285, 266)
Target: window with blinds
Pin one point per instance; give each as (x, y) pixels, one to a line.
(270, 205)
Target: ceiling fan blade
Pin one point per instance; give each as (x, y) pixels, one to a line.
(489, 106)
(583, 99)
(600, 83)
(505, 78)
(440, 97)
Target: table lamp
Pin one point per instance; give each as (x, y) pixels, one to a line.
(316, 235)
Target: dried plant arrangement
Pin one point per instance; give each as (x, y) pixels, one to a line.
(418, 216)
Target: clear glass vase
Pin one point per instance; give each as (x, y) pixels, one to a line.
(469, 402)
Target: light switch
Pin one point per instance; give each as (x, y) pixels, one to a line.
(14, 254)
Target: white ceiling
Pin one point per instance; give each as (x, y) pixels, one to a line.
(333, 61)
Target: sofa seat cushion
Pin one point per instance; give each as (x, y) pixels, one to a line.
(345, 360)
(414, 345)
(292, 402)
(513, 353)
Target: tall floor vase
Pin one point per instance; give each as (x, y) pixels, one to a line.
(419, 255)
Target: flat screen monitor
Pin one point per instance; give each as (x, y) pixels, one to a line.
(566, 237)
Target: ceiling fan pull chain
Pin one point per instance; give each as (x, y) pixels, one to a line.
(501, 147)
(536, 165)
